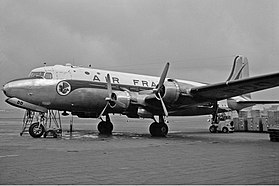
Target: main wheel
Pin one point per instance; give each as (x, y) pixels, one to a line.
(36, 130)
(105, 128)
(158, 129)
(212, 129)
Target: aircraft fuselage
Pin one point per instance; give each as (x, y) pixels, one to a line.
(78, 89)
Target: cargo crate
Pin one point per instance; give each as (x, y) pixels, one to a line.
(257, 124)
(255, 113)
(243, 114)
(236, 124)
(265, 125)
(243, 124)
(251, 125)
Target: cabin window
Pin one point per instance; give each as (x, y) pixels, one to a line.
(37, 74)
(87, 73)
(48, 75)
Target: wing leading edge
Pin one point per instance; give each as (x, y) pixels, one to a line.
(234, 88)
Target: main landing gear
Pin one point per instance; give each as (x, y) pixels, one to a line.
(105, 127)
(156, 129)
(159, 129)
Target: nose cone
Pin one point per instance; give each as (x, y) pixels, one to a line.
(5, 89)
(15, 88)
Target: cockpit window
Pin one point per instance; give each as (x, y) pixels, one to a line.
(37, 74)
(48, 75)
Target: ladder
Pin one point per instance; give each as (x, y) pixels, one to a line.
(27, 121)
(52, 124)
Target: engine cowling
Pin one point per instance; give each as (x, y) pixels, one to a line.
(124, 98)
(170, 91)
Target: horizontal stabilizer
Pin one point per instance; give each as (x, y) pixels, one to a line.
(234, 88)
(244, 104)
(258, 102)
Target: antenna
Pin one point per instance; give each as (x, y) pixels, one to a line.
(45, 64)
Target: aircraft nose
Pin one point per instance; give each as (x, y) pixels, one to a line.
(5, 89)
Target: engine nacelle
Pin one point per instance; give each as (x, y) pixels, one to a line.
(170, 91)
(124, 98)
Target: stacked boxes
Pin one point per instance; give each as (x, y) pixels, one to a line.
(242, 121)
(254, 121)
(265, 125)
(250, 121)
(242, 124)
(236, 124)
(255, 113)
(273, 118)
(255, 124)
(273, 121)
(243, 114)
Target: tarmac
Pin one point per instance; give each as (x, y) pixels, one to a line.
(188, 155)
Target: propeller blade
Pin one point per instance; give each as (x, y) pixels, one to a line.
(109, 85)
(164, 106)
(163, 77)
(103, 111)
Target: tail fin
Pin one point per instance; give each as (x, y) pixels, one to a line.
(240, 70)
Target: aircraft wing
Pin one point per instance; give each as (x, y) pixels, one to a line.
(233, 88)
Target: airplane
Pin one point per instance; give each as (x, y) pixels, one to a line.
(95, 93)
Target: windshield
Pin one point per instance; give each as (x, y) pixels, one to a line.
(47, 75)
(37, 74)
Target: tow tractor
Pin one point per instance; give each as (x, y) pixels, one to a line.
(224, 124)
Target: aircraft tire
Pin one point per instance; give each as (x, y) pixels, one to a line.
(158, 129)
(212, 129)
(35, 131)
(105, 128)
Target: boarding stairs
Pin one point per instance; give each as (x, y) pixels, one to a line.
(27, 121)
(51, 122)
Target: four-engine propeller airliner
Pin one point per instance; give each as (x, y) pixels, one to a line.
(94, 93)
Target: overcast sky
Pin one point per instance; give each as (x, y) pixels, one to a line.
(200, 38)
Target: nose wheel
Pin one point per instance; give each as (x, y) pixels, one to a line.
(36, 130)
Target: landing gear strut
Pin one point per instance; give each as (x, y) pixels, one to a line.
(105, 127)
(159, 129)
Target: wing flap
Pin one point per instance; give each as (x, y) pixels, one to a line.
(236, 87)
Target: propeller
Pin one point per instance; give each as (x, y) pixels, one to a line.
(162, 78)
(111, 99)
(160, 86)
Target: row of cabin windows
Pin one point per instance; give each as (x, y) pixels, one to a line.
(46, 75)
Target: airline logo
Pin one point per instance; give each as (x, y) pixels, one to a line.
(63, 88)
